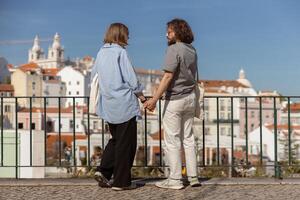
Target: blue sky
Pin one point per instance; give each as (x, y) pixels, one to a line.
(260, 36)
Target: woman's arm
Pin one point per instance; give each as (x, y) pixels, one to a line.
(129, 76)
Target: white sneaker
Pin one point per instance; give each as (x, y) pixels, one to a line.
(131, 187)
(170, 184)
(194, 182)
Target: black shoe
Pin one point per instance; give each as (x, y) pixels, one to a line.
(102, 181)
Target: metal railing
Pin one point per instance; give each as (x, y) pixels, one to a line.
(216, 122)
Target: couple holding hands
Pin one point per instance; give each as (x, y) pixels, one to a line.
(118, 105)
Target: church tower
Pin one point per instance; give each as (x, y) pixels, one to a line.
(242, 79)
(36, 52)
(56, 51)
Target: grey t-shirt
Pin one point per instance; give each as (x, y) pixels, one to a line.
(181, 59)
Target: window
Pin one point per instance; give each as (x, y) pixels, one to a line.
(207, 131)
(6, 108)
(78, 82)
(267, 116)
(69, 82)
(71, 124)
(206, 115)
(95, 124)
(33, 126)
(229, 132)
(20, 126)
(77, 92)
(33, 85)
(252, 114)
(223, 131)
(206, 104)
(252, 127)
(222, 105)
(222, 115)
(69, 92)
(229, 115)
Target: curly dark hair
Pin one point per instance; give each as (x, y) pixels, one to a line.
(182, 29)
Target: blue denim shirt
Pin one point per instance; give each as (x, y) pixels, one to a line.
(118, 85)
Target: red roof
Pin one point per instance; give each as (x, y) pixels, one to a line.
(220, 83)
(10, 66)
(208, 90)
(295, 107)
(29, 67)
(48, 110)
(50, 72)
(6, 88)
(283, 127)
(87, 58)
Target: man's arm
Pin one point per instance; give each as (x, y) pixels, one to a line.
(165, 82)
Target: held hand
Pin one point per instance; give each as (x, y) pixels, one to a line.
(150, 104)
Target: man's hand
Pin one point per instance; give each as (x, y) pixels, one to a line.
(150, 104)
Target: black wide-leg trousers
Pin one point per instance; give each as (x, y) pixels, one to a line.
(119, 153)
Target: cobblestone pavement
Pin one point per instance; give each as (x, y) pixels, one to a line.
(89, 190)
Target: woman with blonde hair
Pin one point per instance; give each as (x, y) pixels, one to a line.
(118, 105)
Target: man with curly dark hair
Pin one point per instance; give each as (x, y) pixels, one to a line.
(179, 84)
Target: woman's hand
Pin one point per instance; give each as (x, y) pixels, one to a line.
(150, 104)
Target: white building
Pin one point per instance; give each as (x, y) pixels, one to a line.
(77, 83)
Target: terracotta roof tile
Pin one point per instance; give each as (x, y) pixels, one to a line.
(87, 58)
(220, 83)
(50, 72)
(6, 88)
(29, 66)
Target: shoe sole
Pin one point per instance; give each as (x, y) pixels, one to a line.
(121, 189)
(173, 188)
(102, 181)
(196, 185)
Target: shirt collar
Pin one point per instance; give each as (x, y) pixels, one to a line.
(110, 45)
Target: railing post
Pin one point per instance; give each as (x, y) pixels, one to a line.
(59, 129)
(146, 151)
(2, 124)
(88, 132)
(275, 139)
(159, 121)
(246, 127)
(232, 132)
(16, 136)
(218, 133)
(203, 134)
(30, 128)
(45, 130)
(74, 133)
(289, 127)
(260, 130)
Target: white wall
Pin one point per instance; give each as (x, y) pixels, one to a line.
(37, 154)
(75, 84)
